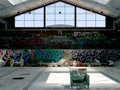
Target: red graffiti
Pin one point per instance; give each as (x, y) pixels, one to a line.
(30, 42)
(37, 41)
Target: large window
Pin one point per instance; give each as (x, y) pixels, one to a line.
(33, 18)
(89, 19)
(60, 15)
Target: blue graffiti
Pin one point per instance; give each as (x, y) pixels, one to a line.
(48, 55)
(17, 55)
(26, 56)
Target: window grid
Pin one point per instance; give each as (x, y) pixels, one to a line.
(89, 17)
(59, 16)
(30, 21)
(78, 16)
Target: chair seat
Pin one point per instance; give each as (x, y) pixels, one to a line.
(77, 79)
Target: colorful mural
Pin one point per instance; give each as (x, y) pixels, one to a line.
(60, 57)
(34, 56)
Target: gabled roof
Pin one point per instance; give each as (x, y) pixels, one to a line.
(106, 7)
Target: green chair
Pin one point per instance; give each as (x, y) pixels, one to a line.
(79, 77)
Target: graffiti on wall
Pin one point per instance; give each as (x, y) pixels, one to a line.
(53, 43)
(48, 55)
(28, 42)
(46, 40)
(2, 52)
(35, 56)
(88, 56)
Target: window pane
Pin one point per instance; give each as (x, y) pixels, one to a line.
(52, 5)
(81, 23)
(88, 19)
(60, 22)
(28, 23)
(100, 17)
(38, 16)
(89, 12)
(50, 10)
(69, 17)
(20, 17)
(38, 24)
(79, 10)
(50, 17)
(59, 9)
(90, 16)
(90, 23)
(81, 17)
(63, 13)
(100, 24)
(68, 5)
(29, 16)
(49, 23)
(19, 23)
(69, 10)
(60, 17)
(40, 11)
(71, 23)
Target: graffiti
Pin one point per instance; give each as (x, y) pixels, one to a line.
(16, 55)
(36, 56)
(48, 55)
(1, 52)
(29, 42)
(26, 56)
(74, 54)
(51, 40)
(58, 42)
(89, 55)
(114, 55)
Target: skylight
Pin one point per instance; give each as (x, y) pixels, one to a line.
(15, 2)
(102, 1)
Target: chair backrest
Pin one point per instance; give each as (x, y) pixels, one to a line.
(79, 71)
(82, 70)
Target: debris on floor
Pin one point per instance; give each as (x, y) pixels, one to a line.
(18, 77)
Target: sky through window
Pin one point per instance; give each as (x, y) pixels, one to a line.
(60, 15)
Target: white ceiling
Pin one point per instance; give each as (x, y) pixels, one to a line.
(106, 7)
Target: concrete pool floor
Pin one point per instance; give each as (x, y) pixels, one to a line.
(56, 78)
